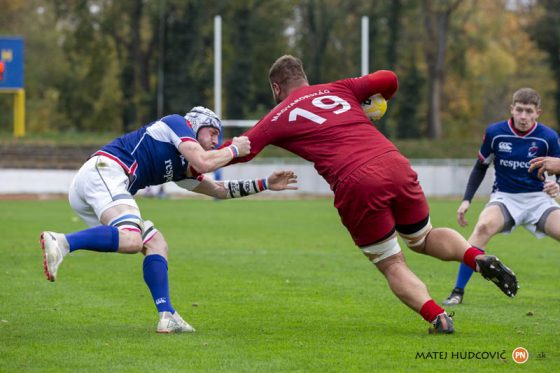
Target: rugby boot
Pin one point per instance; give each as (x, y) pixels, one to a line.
(173, 323)
(492, 269)
(455, 298)
(443, 324)
(55, 247)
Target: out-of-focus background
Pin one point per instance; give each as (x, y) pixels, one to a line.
(96, 69)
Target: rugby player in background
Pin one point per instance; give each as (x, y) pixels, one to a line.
(519, 198)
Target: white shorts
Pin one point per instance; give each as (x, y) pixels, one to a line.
(100, 183)
(526, 209)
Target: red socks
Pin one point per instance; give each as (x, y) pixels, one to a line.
(469, 256)
(430, 310)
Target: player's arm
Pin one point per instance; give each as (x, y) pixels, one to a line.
(475, 179)
(259, 138)
(207, 161)
(278, 180)
(383, 82)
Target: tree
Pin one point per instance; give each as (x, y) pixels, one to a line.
(545, 30)
(437, 15)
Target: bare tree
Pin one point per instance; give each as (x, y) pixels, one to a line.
(437, 14)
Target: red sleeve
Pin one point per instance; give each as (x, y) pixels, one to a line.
(384, 82)
(259, 139)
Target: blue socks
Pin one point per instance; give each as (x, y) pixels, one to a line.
(102, 238)
(463, 277)
(155, 276)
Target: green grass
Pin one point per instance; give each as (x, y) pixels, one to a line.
(271, 286)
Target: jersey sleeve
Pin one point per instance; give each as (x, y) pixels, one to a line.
(554, 145)
(259, 137)
(174, 129)
(485, 154)
(384, 82)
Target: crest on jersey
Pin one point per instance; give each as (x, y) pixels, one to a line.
(533, 150)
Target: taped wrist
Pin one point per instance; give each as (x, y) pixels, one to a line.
(243, 188)
(234, 150)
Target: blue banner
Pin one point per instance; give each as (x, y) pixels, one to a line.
(11, 62)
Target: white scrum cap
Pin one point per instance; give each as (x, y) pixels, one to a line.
(200, 117)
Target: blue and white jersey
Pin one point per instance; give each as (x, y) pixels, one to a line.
(150, 155)
(511, 151)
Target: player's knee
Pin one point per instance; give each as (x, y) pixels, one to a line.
(483, 229)
(381, 251)
(130, 241)
(417, 241)
(133, 232)
(153, 240)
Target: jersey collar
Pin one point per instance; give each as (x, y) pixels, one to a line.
(519, 133)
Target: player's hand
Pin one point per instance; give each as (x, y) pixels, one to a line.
(551, 188)
(282, 180)
(545, 164)
(243, 145)
(461, 211)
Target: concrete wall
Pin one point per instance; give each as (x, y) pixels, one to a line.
(439, 178)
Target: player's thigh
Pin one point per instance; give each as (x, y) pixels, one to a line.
(410, 207)
(364, 205)
(101, 184)
(552, 224)
(492, 219)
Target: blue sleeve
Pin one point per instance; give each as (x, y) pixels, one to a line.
(475, 179)
(554, 145)
(179, 126)
(486, 147)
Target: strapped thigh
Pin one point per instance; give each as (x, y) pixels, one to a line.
(414, 235)
(149, 231)
(380, 251)
(128, 222)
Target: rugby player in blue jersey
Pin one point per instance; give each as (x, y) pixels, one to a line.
(173, 148)
(519, 197)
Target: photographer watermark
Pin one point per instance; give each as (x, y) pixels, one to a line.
(519, 355)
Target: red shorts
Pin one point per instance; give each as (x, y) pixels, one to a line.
(379, 195)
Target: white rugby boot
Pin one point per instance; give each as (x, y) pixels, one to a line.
(173, 323)
(55, 247)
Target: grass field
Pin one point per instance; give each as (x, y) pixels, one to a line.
(271, 286)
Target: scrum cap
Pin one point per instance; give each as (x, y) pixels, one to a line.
(200, 117)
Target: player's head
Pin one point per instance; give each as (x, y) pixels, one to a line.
(525, 108)
(206, 125)
(285, 74)
(527, 96)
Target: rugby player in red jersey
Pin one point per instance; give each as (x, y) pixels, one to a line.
(376, 192)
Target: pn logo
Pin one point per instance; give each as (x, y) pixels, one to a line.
(520, 355)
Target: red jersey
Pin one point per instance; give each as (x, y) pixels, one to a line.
(325, 124)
